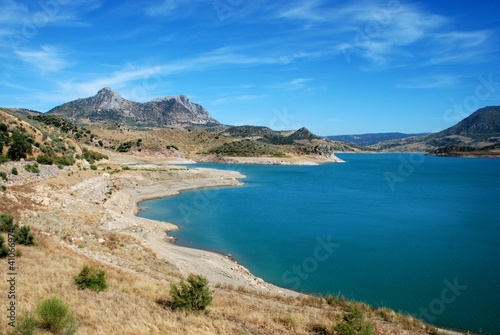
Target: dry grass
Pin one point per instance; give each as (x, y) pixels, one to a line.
(135, 304)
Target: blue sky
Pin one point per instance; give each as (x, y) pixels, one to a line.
(335, 67)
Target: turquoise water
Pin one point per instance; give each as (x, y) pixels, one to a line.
(415, 233)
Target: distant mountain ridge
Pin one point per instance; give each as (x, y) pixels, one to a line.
(370, 138)
(480, 129)
(108, 106)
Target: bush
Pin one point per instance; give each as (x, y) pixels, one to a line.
(93, 167)
(191, 296)
(44, 159)
(33, 168)
(354, 323)
(20, 146)
(3, 176)
(64, 161)
(25, 325)
(54, 315)
(14, 171)
(3, 159)
(24, 236)
(4, 250)
(125, 147)
(7, 223)
(92, 278)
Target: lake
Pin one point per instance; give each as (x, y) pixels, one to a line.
(414, 233)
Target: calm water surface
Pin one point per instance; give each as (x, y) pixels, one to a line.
(414, 233)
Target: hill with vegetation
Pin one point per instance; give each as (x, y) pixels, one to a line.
(371, 138)
(480, 129)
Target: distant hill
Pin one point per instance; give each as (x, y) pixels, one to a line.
(107, 106)
(480, 129)
(372, 138)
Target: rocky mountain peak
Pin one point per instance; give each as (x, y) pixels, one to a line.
(107, 99)
(108, 106)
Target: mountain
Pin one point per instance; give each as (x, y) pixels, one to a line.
(107, 106)
(370, 139)
(480, 129)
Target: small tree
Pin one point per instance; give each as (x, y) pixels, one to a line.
(24, 236)
(194, 295)
(92, 278)
(54, 315)
(19, 147)
(4, 250)
(7, 223)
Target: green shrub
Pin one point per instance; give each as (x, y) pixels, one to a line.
(194, 295)
(125, 147)
(93, 167)
(44, 159)
(53, 315)
(24, 236)
(14, 171)
(4, 250)
(26, 325)
(7, 223)
(354, 323)
(92, 278)
(33, 168)
(3, 159)
(20, 146)
(64, 161)
(3, 188)
(3, 176)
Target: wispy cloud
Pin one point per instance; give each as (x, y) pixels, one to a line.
(162, 8)
(390, 35)
(247, 97)
(430, 82)
(47, 59)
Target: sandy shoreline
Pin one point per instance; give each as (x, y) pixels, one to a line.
(121, 215)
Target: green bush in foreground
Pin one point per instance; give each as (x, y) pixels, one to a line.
(354, 323)
(53, 315)
(7, 223)
(92, 278)
(26, 325)
(194, 295)
(24, 236)
(4, 250)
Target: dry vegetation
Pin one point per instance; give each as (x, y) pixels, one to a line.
(82, 216)
(139, 281)
(135, 304)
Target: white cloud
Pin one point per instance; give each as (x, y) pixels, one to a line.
(46, 60)
(430, 82)
(390, 35)
(162, 8)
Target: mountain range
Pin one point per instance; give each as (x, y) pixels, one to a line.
(480, 129)
(371, 138)
(107, 106)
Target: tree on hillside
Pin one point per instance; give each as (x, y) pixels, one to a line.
(19, 147)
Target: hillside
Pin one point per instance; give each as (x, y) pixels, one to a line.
(480, 129)
(83, 216)
(370, 139)
(107, 106)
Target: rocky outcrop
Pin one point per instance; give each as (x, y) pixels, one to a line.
(107, 106)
